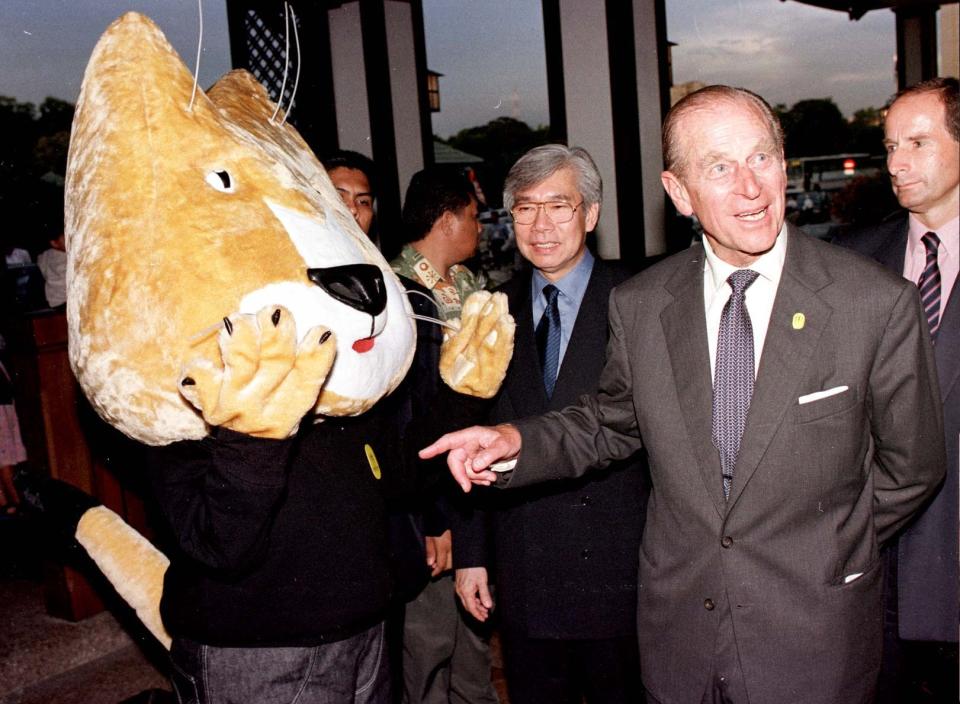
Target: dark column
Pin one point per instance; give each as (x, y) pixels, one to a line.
(382, 135)
(556, 93)
(258, 44)
(626, 130)
(916, 44)
(420, 57)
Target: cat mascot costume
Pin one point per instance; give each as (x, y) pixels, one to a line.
(220, 296)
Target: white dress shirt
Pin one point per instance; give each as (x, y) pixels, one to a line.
(759, 297)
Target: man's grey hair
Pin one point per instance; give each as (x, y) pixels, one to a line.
(541, 163)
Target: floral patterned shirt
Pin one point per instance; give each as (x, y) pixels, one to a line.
(449, 297)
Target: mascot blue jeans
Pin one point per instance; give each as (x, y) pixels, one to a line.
(351, 671)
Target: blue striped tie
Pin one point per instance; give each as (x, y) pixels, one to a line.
(733, 375)
(548, 339)
(929, 284)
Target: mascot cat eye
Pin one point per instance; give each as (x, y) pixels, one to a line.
(220, 180)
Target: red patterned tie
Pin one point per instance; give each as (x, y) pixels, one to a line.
(929, 284)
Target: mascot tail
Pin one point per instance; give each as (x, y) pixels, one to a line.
(130, 562)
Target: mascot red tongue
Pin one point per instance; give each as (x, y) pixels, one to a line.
(202, 232)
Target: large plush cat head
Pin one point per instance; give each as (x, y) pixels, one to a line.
(178, 216)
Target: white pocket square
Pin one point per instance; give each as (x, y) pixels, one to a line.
(817, 395)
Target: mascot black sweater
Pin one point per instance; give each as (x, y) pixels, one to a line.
(277, 542)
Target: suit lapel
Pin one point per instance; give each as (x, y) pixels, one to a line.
(588, 339)
(685, 329)
(787, 352)
(948, 342)
(892, 252)
(524, 381)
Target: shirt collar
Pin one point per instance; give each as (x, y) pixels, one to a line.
(769, 265)
(573, 284)
(415, 266)
(948, 234)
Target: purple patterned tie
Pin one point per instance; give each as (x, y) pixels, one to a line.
(733, 376)
(929, 284)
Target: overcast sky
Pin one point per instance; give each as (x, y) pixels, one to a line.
(784, 51)
(45, 44)
(491, 51)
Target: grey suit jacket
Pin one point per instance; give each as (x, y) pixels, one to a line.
(816, 488)
(928, 570)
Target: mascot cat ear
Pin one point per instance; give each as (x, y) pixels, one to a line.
(177, 217)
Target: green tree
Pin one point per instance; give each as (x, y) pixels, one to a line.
(814, 127)
(32, 164)
(55, 116)
(866, 131)
(19, 128)
(500, 142)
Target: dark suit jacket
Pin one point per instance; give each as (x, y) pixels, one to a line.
(564, 554)
(423, 407)
(928, 570)
(817, 486)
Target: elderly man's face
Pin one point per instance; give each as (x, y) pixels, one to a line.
(923, 159)
(555, 248)
(734, 181)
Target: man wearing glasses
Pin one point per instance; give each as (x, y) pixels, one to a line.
(562, 555)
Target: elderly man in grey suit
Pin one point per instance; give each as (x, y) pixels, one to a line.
(922, 136)
(786, 393)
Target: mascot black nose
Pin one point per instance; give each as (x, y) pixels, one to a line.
(359, 286)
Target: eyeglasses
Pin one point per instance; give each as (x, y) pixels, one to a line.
(557, 211)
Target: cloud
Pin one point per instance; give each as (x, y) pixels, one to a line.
(45, 44)
(785, 51)
(856, 78)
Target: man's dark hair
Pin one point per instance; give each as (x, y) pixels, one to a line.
(947, 90)
(431, 193)
(346, 159)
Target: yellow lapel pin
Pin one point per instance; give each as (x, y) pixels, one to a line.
(372, 460)
(799, 320)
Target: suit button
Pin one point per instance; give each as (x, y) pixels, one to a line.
(586, 500)
(727, 541)
(585, 554)
(708, 604)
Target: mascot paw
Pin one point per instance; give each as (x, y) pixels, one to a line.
(474, 359)
(264, 382)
